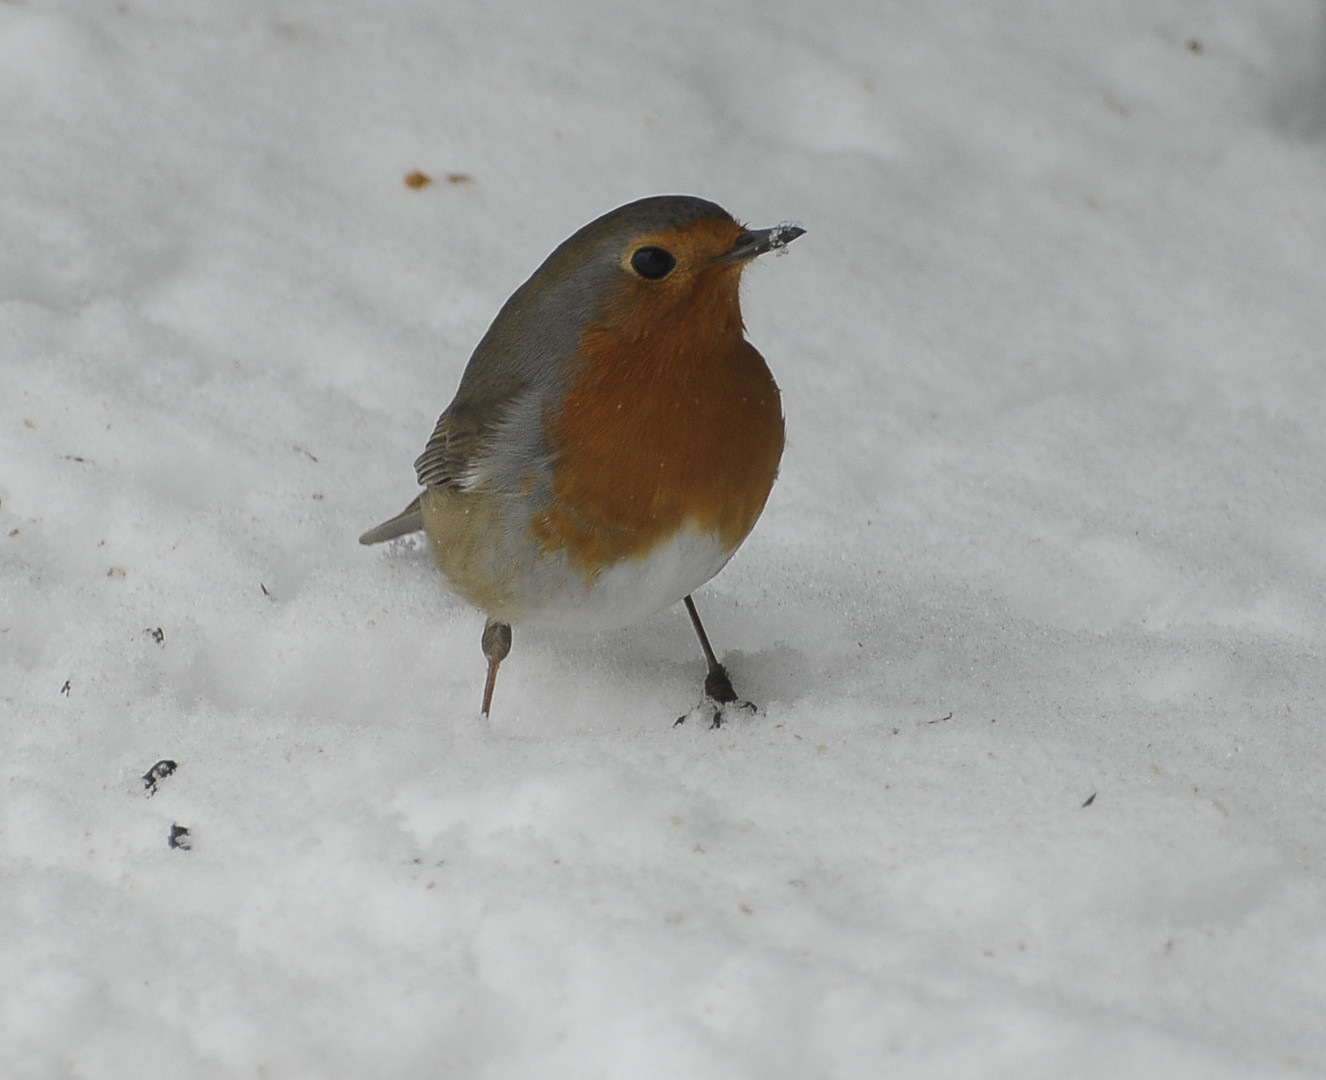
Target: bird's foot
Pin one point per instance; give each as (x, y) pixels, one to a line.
(719, 699)
(714, 714)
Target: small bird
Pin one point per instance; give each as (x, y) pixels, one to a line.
(614, 436)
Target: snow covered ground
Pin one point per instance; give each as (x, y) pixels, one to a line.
(1036, 613)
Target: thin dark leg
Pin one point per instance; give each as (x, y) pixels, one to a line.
(716, 683)
(496, 643)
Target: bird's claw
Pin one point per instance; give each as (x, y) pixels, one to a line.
(716, 712)
(718, 692)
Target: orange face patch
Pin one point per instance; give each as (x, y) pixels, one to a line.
(673, 421)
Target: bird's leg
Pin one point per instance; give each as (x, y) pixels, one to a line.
(717, 685)
(496, 643)
(716, 682)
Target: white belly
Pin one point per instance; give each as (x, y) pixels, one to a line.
(627, 591)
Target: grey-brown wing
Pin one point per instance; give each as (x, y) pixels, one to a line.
(486, 442)
(447, 455)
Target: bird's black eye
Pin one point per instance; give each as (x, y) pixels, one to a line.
(652, 262)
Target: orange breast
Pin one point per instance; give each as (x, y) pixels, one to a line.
(666, 427)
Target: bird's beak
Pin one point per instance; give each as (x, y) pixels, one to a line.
(754, 242)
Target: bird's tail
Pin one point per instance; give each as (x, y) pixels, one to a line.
(409, 520)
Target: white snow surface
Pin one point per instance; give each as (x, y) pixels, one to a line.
(1035, 616)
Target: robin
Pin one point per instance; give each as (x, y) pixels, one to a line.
(614, 436)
